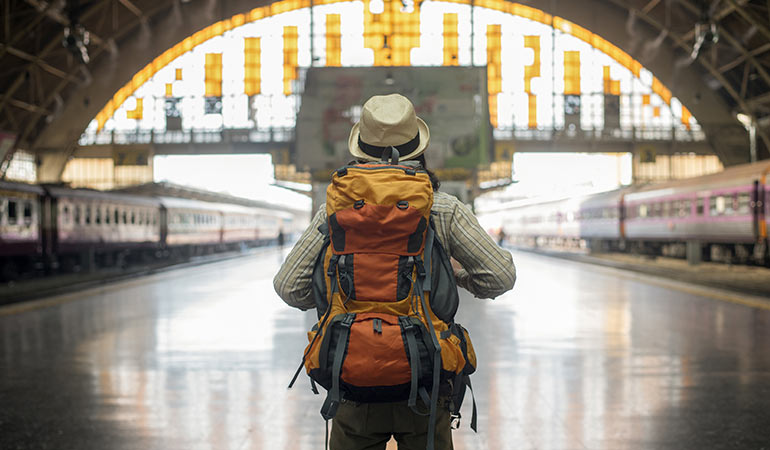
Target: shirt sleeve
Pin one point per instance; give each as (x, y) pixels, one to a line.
(293, 282)
(488, 270)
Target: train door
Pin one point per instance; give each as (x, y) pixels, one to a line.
(759, 210)
(48, 226)
(622, 217)
(163, 225)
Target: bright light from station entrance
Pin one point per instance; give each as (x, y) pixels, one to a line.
(248, 176)
(568, 174)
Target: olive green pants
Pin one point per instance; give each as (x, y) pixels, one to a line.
(369, 426)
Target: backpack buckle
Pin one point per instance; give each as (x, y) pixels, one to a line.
(348, 320)
(406, 324)
(420, 268)
(332, 265)
(454, 420)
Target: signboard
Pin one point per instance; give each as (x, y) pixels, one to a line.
(451, 100)
(131, 156)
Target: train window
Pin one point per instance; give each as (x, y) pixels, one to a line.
(117, 217)
(13, 215)
(125, 217)
(87, 214)
(731, 204)
(743, 203)
(685, 208)
(108, 215)
(98, 215)
(699, 206)
(133, 217)
(717, 205)
(27, 213)
(77, 214)
(642, 211)
(65, 214)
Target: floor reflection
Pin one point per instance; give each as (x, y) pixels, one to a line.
(573, 358)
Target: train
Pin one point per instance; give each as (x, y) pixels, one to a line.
(51, 228)
(717, 217)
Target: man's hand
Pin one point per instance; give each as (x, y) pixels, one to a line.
(456, 266)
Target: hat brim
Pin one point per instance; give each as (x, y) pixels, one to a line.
(359, 154)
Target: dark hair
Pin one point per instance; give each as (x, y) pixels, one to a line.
(433, 178)
(434, 181)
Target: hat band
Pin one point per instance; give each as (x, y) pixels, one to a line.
(375, 151)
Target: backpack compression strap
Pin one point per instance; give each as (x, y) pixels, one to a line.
(422, 276)
(329, 408)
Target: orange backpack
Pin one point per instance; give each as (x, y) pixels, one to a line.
(386, 296)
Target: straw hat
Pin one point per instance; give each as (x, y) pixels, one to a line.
(388, 120)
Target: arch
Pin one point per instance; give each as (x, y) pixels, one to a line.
(219, 28)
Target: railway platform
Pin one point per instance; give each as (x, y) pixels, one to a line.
(575, 357)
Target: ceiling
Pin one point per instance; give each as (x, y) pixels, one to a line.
(49, 92)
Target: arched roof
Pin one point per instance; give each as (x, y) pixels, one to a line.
(48, 95)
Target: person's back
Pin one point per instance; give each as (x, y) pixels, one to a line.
(487, 271)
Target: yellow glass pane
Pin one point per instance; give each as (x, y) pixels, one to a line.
(451, 38)
(532, 120)
(290, 57)
(252, 66)
(169, 90)
(136, 113)
(333, 40)
(533, 70)
(213, 75)
(572, 73)
(178, 74)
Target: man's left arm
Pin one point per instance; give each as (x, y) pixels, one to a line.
(293, 282)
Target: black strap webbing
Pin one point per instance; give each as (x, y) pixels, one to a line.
(414, 361)
(436, 365)
(473, 397)
(426, 257)
(329, 408)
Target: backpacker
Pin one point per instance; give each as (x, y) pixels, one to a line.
(386, 296)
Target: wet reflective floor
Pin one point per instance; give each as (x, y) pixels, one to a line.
(575, 357)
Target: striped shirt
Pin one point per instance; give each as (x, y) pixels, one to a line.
(487, 271)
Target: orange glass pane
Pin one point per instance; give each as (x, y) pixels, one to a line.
(686, 116)
(178, 74)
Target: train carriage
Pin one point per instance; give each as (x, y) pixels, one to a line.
(192, 222)
(21, 243)
(726, 214)
(85, 217)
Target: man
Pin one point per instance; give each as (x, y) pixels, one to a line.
(486, 271)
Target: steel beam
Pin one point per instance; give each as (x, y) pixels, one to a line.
(737, 61)
(678, 40)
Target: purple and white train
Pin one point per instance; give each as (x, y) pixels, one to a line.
(57, 228)
(725, 214)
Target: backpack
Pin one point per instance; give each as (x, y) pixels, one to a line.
(386, 296)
